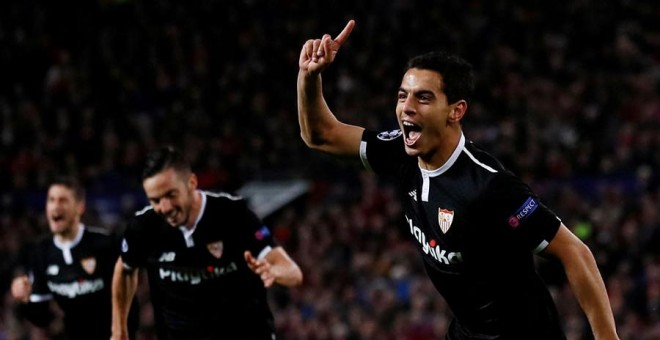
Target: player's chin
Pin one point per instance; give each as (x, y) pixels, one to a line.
(412, 151)
(174, 221)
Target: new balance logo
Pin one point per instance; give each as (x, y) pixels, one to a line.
(413, 194)
(167, 257)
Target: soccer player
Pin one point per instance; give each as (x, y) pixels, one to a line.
(73, 266)
(476, 224)
(209, 259)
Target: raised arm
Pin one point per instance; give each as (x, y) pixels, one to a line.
(586, 282)
(319, 127)
(124, 285)
(276, 267)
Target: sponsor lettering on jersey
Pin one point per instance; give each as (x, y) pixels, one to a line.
(88, 264)
(525, 210)
(432, 248)
(53, 269)
(76, 288)
(445, 217)
(196, 276)
(215, 248)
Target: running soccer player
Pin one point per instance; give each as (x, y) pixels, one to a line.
(477, 225)
(73, 266)
(208, 257)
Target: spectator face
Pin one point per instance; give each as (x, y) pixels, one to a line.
(171, 194)
(63, 210)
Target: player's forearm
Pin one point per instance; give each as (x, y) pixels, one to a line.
(589, 288)
(314, 116)
(288, 275)
(124, 285)
(282, 268)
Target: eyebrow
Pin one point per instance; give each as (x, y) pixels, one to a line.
(417, 92)
(167, 193)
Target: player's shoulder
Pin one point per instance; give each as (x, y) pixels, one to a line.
(145, 216)
(97, 231)
(220, 203)
(481, 158)
(41, 243)
(223, 198)
(97, 234)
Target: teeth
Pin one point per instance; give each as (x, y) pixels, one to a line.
(406, 123)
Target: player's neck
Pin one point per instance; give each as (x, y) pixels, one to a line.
(442, 153)
(69, 234)
(195, 210)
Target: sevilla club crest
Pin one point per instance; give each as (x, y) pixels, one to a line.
(445, 217)
(215, 248)
(89, 265)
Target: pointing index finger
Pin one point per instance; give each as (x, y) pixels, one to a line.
(345, 32)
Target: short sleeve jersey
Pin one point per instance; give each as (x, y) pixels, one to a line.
(200, 284)
(77, 275)
(477, 227)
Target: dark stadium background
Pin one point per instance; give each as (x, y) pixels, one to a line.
(567, 97)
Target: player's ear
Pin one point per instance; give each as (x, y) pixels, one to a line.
(458, 110)
(81, 207)
(192, 181)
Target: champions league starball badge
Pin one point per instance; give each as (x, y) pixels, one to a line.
(389, 135)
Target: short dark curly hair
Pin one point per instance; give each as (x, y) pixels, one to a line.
(457, 74)
(165, 157)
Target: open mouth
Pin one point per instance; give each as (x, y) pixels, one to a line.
(56, 217)
(411, 132)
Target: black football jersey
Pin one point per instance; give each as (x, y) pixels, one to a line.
(477, 227)
(200, 284)
(78, 276)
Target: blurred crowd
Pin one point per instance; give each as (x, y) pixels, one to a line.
(568, 97)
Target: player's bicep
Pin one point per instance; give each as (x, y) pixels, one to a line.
(133, 246)
(565, 246)
(340, 139)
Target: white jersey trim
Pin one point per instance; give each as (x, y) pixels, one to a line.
(66, 246)
(40, 297)
(427, 174)
(448, 164)
(541, 246)
(479, 163)
(187, 233)
(363, 156)
(264, 252)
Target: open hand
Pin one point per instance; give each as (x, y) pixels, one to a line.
(261, 268)
(21, 288)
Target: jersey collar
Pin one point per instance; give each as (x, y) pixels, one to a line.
(187, 233)
(70, 244)
(452, 159)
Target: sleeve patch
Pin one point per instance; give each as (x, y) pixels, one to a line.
(525, 210)
(389, 135)
(262, 233)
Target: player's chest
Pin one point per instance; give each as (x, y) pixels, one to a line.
(443, 219)
(71, 265)
(72, 275)
(195, 249)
